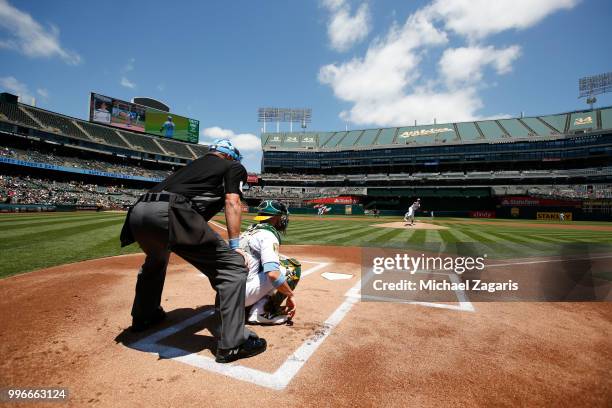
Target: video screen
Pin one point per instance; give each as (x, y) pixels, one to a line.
(138, 118)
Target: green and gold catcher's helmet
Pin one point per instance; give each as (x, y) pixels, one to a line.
(271, 208)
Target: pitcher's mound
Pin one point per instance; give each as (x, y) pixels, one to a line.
(417, 225)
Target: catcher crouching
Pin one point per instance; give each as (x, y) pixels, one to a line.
(271, 281)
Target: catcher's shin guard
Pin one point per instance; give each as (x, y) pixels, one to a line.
(292, 269)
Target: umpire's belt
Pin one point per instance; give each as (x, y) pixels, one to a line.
(152, 197)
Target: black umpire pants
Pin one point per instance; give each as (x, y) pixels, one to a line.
(224, 268)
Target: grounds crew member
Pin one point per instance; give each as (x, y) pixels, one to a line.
(173, 216)
(271, 280)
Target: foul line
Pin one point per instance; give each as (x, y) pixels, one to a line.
(280, 378)
(277, 380)
(550, 260)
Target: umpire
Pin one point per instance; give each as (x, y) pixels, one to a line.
(172, 217)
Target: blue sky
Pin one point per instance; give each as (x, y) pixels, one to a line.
(361, 63)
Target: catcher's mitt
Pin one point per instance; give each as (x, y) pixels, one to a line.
(292, 268)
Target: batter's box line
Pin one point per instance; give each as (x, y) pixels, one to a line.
(279, 379)
(464, 304)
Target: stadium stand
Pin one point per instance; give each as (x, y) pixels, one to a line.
(199, 150)
(11, 112)
(30, 190)
(104, 134)
(176, 148)
(488, 131)
(141, 142)
(59, 123)
(48, 157)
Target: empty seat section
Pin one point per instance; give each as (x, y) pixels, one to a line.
(145, 143)
(336, 137)
(367, 137)
(514, 127)
(468, 131)
(104, 134)
(606, 118)
(537, 126)
(177, 148)
(350, 138)
(199, 150)
(556, 121)
(386, 136)
(491, 130)
(63, 124)
(324, 138)
(12, 112)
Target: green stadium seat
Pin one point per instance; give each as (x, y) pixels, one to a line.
(468, 131)
(386, 136)
(606, 118)
(556, 121)
(350, 139)
(514, 127)
(490, 129)
(324, 138)
(335, 139)
(537, 126)
(367, 137)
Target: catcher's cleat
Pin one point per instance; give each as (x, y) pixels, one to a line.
(267, 319)
(139, 325)
(252, 347)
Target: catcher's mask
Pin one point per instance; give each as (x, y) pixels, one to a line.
(271, 208)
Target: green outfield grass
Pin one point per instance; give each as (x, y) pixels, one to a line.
(34, 241)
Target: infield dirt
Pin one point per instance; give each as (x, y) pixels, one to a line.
(67, 326)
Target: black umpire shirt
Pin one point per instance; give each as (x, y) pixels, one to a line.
(205, 181)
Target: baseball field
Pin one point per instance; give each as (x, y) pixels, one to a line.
(74, 310)
(34, 241)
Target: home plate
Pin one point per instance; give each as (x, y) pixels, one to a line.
(336, 276)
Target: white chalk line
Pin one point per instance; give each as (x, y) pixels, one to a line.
(549, 261)
(279, 379)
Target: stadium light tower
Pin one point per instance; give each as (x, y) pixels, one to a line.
(291, 115)
(594, 85)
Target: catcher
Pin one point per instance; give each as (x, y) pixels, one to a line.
(270, 280)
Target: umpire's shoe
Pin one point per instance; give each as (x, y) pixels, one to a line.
(252, 347)
(139, 325)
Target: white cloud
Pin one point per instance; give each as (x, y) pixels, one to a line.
(345, 30)
(243, 141)
(12, 85)
(477, 19)
(387, 86)
(127, 83)
(43, 93)
(465, 64)
(29, 37)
